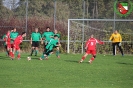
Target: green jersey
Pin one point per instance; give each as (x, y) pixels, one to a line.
(4, 38)
(47, 35)
(51, 44)
(36, 36)
(13, 35)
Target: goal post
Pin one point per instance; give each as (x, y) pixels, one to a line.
(78, 32)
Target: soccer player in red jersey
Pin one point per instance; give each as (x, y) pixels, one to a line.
(8, 42)
(90, 48)
(16, 44)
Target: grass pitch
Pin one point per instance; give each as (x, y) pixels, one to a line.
(105, 72)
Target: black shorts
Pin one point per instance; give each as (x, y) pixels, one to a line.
(35, 43)
(47, 51)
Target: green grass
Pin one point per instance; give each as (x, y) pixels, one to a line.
(105, 72)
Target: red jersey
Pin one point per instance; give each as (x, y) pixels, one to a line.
(8, 39)
(91, 43)
(18, 40)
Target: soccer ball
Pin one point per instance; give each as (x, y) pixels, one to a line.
(28, 58)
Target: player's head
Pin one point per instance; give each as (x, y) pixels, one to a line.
(55, 31)
(115, 31)
(92, 36)
(23, 34)
(55, 37)
(11, 30)
(14, 29)
(36, 29)
(47, 28)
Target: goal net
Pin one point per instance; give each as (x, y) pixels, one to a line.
(79, 30)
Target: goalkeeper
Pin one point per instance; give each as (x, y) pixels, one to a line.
(49, 47)
(116, 40)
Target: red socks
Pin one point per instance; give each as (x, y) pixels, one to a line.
(83, 58)
(10, 54)
(92, 59)
(18, 56)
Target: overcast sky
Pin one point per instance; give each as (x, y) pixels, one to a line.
(9, 3)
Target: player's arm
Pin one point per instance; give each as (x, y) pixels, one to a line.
(43, 36)
(4, 38)
(100, 42)
(59, 40)
(86, 45)
(40, 37)
(31, 38)
(111, 37)
(120, 38)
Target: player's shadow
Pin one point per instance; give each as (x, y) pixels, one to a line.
(4, 57)
(124, 63)
(74, 61)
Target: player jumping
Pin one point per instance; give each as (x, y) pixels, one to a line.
(90, 48)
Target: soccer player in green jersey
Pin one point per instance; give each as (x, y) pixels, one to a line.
(57, 47)
(47, 35)
(35, 38)
(49, 47)
(13, 36)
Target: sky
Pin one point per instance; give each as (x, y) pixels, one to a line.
(9, 3)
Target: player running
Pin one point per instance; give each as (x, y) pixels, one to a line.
(35, 38)
(16, 44)
(90, 48)
(7, 43)
(49, 47)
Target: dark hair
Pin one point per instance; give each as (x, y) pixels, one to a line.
(47, 27)
(55, 36)
(23, 33)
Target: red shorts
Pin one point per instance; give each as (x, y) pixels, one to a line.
(16, 47)
(12, 45)
(93, 52)
(8, 45)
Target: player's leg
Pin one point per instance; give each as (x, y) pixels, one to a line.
(114, 48)
(83, 57)
(93, 52)
(36, 48)
(119, 46)
(44, 55)
(92, 58)
(18, 56)
(57, 51)
(10, 51)
(33, 47)
(36, 51)
(7, 49)
(13, 52)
